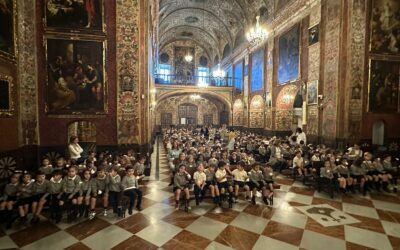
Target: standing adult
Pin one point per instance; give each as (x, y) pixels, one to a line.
(74, 149)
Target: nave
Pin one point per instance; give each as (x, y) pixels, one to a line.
(369, 222)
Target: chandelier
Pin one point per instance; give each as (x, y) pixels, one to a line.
(188, 57)
(219, 72)
(256, 35)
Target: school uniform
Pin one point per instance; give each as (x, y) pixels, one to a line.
(130, 187)
(26, 192)
(10, 192)
(256, 179)
(327, 173)
(114, 189)
(40, 189)
(139, 168)
(223, 183)
(357, 172)
(344, 171)
(199, 177)
(47, 170)
(71, 187)
(239, 177)
(181, 181)
(268, 175)
(210, 177)
(100, 186)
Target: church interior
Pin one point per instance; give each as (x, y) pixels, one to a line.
(199, 124)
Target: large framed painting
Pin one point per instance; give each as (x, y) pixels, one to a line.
(312, 92)
(69, 15)
(8, 12)
(289, 55)
(384, 86)
(385, 27)
(184, 70)
(6, 100)
(257, 65)
(75, 77)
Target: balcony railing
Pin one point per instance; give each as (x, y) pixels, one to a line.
(193, 80)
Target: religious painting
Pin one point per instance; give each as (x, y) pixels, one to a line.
(184, 70)
(289, 55)
(257, 74)
(7, 31)
(84, 15)
(313, 35)
(6, 89)
(384, 86)
(385, 27)
(312, 92)
(75, 77)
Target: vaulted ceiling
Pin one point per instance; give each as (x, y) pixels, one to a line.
(212, 24)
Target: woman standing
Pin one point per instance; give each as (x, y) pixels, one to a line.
(74, 148)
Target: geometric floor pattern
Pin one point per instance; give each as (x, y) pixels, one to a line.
(375, 223)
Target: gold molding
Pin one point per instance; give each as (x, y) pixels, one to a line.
(12, 57)
(10, 111)
(78, 114)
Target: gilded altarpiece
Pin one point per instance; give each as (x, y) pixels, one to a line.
(257, 112)
(238, 113)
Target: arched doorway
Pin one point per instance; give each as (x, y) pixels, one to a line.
(378, 133)
(188, 114)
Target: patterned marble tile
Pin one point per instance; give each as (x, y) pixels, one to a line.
(32, 234)
(87, 228)
(237, 238)
(186, 240)
(135, 242)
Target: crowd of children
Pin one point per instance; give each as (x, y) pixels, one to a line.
(74, 188)
(226, 162)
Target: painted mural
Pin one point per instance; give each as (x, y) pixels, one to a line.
(257, 74)
(75, 75)
(67, 14)
(384, 86)
(289, 55)
(385, 27)
(182, 68)
(283, 120)
(7, 13)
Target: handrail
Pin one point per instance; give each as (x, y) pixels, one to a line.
(193, 80)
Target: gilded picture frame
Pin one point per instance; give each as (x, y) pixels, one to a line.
(6, 98)
(313, 35)
(76, 80)
(74, 16)
(8, 31)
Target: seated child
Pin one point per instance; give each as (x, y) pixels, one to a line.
(240, 180)
(9, 199)
(130, 187)
(70, 192)
(211, 183)
(199, 178)
(114, 189)
(25, 195)
(257, 183)
(268, 174)
(53, 195)
(100, 190)
(222, 181)
(40, 187)
(181, 183)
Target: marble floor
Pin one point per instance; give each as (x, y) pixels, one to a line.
(300, 218)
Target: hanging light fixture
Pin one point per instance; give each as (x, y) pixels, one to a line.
(188, 57)
(256, 35)
(219, 72)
